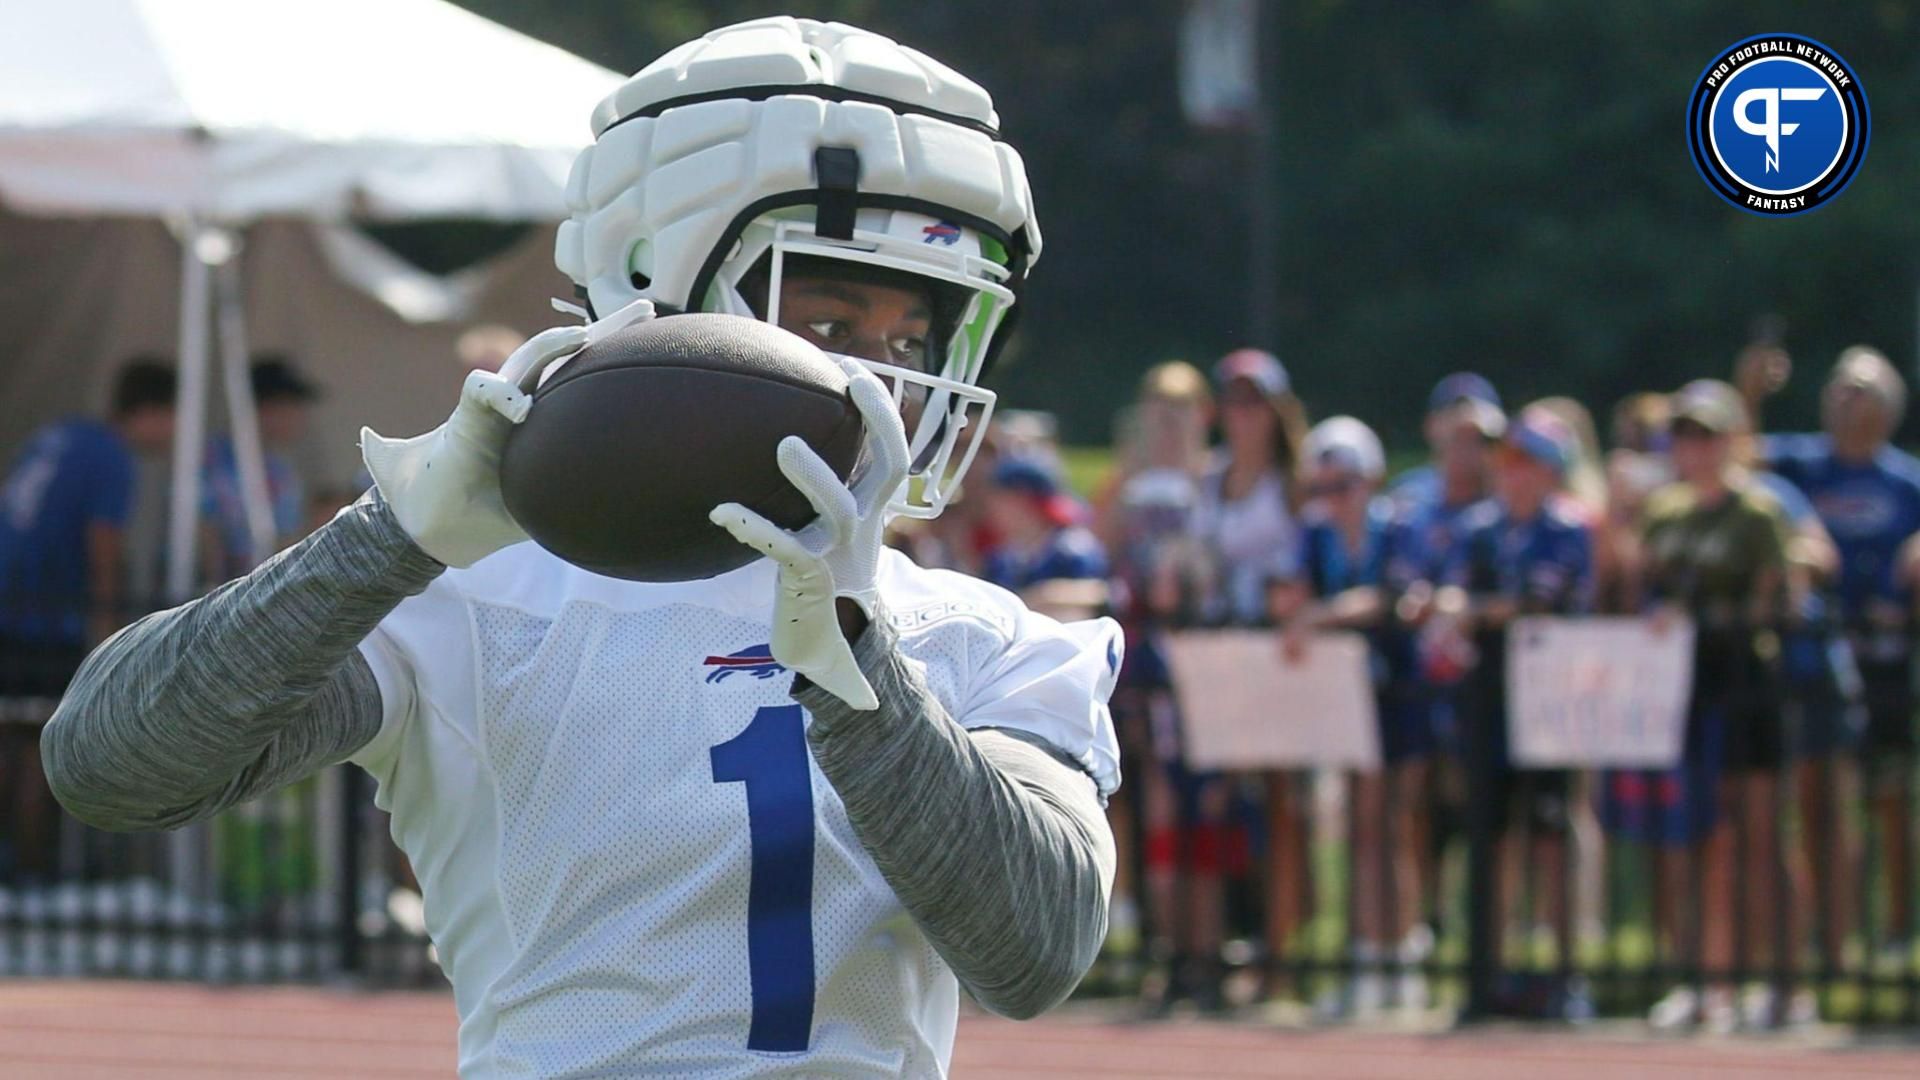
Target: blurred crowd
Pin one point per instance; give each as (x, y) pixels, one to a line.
(1794, 555)
(84, 524)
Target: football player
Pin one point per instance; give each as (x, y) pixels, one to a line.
(767, 823)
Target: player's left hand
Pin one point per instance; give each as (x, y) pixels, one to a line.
(836, 556)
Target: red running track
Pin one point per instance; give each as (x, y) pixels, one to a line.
(154, 1031)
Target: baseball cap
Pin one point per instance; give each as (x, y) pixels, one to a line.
(1710, 404)
(1034, 479)
(1261, 368)
(1485, 416)
(274, 379)
(1349, 444)
(1462, 386)
(1543, 437)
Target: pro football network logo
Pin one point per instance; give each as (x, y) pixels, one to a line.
(754, 660)
(1778, 124)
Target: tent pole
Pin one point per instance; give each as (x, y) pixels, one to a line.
(242, 411)
(190, 414)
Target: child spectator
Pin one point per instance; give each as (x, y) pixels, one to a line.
(1344, 550)
(1056, 564)
(1528, 551)
(63, 516)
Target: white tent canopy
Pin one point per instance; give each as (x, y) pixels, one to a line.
(232, 110)
(211, 115)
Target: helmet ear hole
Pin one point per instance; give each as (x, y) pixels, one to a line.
(638, 259)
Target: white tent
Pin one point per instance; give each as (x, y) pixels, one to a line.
(225, 123)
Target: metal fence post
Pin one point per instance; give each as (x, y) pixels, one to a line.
(1483, 904)
(351, 945)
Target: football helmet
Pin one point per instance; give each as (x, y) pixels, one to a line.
(736, 153)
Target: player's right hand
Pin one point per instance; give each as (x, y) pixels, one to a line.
(444, 486)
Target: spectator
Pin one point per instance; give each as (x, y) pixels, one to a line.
(960, 538)
(1641, 423)
(281, 399)
(1146, 514)
(1528, 551)
(1422, 485)
(1029, 433)
(1816, 714)
(1425, 534)
(1715, 548)
(1822, 717)
(1247, 518)
(1636, 467)
(1585, 489)
(1344, 549)
(1430, 523)
(1146, 518)
(1250, 493)
(1585, 482)
(1868, 495)
(63, 515)
(1055, 564)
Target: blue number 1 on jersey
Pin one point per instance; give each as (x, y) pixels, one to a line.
(770, 757)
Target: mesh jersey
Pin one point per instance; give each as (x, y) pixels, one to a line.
(631, 865)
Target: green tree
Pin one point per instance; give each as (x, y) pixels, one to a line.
(1502, 186)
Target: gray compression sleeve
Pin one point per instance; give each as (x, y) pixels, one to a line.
(252, 686)
(995, 843)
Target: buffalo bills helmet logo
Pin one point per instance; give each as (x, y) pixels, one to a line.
(754, 660)
(945, 232)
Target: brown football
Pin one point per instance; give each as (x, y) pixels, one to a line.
(632, 441)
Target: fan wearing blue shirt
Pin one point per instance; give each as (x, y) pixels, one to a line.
(1342, 587)
(1868, 495)
(1042, 543)
(63, 515)
(1528, 551)
(1426, 536)
(1423, 484)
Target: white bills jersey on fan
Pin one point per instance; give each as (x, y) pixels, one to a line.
(631, 864)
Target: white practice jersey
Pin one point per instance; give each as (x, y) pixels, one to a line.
(631, 864)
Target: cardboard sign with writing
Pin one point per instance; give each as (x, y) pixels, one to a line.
(1598, 692)
(1244, 707)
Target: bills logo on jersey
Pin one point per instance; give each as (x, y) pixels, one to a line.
(1853, 513)
(754, 660)
(945, 232)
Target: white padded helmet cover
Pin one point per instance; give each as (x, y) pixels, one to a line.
(657, 194)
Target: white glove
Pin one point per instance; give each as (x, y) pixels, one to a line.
(839, 553)
(444, 486)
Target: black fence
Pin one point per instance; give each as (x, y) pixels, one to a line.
(1510, 897)
(303, 885)
(1530, 894)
